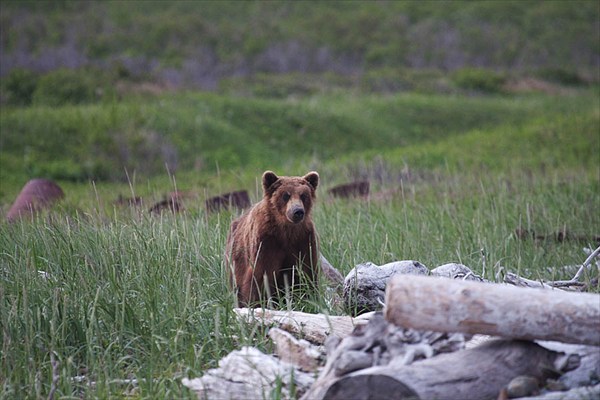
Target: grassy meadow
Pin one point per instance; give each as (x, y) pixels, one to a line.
(114, 302)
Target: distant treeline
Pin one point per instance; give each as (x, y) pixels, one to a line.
(199, 43)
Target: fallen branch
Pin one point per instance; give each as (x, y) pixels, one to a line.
(575, 280)
(517, 280)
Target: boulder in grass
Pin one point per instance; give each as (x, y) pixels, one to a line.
(364, 286)
(172, 205)
(239, 199)
(352, 189)
(36, 195)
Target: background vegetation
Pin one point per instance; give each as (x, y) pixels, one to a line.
(198, 44)
(470, 119)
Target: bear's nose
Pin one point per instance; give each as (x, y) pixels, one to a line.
(299, 214)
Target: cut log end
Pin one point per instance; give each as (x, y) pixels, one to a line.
(373, 387)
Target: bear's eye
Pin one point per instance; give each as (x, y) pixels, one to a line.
(303, 197)
(286, 196)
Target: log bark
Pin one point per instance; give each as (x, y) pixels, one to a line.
(445, 305)
(478, 373)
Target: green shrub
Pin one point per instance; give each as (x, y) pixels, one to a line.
(479, 79)
(19, 86)
(277, 86)
(66, 86)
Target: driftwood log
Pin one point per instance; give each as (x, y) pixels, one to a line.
(312, 327)
(249, 373)
(471, 307)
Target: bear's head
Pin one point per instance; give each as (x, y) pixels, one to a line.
(291, 196)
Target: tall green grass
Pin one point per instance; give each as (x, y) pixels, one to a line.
(113, 295)
(133, 297)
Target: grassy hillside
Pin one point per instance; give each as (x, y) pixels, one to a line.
(200, 134)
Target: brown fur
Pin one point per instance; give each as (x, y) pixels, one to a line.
(274, 237)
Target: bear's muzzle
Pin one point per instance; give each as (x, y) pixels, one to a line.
(295, 214)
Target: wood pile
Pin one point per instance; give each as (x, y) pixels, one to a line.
(436, 338)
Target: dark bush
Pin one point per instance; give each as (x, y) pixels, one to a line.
(19, 86)
(390, 80)
(66, 86)
(479, 79)
(560, 75)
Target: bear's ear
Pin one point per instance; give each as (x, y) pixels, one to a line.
(312, 178)
(268, 179)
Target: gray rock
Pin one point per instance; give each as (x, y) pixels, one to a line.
(364, 286)
(522, 386)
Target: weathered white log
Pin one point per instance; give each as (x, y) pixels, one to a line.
(446, 305)
(477, 373)
(312, 327)
(298, 352)
(249, 374)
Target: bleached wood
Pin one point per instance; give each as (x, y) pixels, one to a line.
(300, 353)
(249, 374)
(571, 284)
(312, 327)
(517, 280)
(446, 305)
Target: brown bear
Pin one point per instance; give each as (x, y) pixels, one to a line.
(275, 240)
